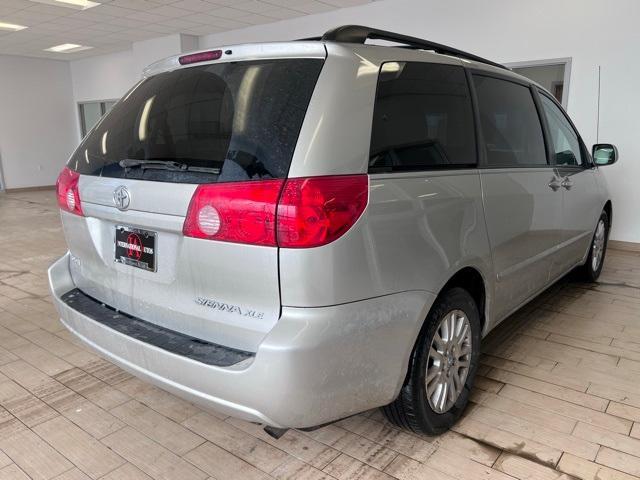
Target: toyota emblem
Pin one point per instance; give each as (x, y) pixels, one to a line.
(121, 197)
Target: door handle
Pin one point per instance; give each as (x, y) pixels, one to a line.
(567, 183)
(555, 184)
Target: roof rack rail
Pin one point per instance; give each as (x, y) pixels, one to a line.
(360, 34)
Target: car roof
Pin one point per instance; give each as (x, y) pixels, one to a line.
(353, 37)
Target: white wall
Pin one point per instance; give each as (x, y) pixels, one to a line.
(105, 77)
(591, 32)
(37, 120)
(108, 77)
(39, 124)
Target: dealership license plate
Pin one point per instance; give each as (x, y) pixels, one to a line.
(136, 247)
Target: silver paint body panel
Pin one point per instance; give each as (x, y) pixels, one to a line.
(315, 365)
(339, 321)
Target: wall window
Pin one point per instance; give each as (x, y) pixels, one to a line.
(91, 112)
(566, 145)
(510, 124)
(422, 118)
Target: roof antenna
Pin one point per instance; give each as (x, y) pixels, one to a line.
(598, 114)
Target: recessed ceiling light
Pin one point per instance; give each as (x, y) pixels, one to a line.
(67, 48)
(77, 4)
(12, 27)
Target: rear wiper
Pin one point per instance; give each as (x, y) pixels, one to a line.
(144, 164)
(129, 163)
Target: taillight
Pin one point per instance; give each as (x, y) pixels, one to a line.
(241, 212)
(67, 191)
(315, 211)
(200, 57)
(296, 213)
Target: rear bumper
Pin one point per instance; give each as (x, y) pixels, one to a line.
(315, 366)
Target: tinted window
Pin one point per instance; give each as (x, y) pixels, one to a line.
(566, 145)
(510, 124)
(221, 122)
(422, 118)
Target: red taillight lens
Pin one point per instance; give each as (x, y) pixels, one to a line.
(67, 191)
(315, 211)
(241, 212)
(309, 212)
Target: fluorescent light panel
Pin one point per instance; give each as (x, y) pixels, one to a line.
(75, 4)
(84, 4)
(11, 27)
(67, 48)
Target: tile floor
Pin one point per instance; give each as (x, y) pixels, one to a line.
(558, 396)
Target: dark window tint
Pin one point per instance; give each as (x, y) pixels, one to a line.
(422, 119)
(566, 145)
(221, 122)
(510, 124)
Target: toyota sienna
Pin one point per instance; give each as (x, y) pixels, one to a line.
(292, 233)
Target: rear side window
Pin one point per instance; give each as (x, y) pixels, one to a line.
(510, 124)
(212, 123)
(566, 145)
(422, 118)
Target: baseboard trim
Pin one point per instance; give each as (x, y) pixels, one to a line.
(30, 189)
(624, 246)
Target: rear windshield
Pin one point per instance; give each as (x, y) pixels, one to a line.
(213, 123)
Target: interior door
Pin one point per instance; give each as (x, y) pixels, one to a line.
(522, 193)
(580, 204)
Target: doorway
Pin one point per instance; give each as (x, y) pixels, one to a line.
(553, 75)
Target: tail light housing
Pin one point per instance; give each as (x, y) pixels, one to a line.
(67, 191)
(241, 212)
(315, 211)
(293, 213)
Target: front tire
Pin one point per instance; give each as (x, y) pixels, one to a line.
(442, 367)
(592, 269)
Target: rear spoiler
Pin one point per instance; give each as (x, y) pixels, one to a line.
(239, 53)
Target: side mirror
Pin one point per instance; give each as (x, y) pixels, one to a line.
(604, 154)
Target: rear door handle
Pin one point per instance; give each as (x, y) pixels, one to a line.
(567, 183)
(555, 184)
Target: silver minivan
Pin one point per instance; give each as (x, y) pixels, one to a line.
(292, 233)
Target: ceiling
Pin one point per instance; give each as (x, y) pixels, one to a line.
(114, 24)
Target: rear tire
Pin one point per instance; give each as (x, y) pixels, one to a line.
(591, 270)
(448, 361)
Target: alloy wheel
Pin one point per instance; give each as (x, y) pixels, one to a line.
(449, 361)
(598, 246)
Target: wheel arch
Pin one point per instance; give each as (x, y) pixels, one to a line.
(608, 207)
(403, 411)
(470, 279)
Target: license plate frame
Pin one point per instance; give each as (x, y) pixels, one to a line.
(136, 247)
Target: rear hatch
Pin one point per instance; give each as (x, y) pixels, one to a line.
(215, 123)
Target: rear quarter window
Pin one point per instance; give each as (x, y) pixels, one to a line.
(215, 123)
(422, 119)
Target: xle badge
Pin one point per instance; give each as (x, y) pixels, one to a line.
(225, 307)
